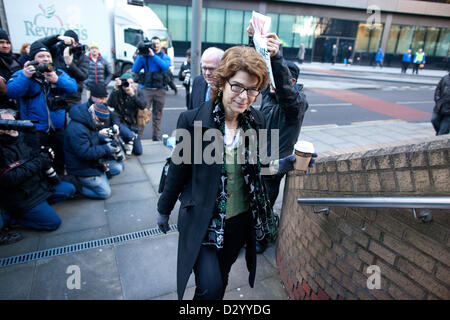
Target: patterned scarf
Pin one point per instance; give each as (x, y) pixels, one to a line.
(264, 221)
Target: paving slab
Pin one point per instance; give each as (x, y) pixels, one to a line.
(16, 281)
(99, 276)
(148, 266)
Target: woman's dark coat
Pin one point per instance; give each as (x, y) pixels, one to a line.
(198, 185)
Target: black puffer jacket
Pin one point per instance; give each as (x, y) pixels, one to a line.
(284, 110)
(442, 96)
(126, 107)
(23, 183)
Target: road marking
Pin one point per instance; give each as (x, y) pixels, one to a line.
(413, 102)
(329, 104)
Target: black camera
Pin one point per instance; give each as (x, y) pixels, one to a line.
(143, 47)
(187, 77)
(79, 49)
(18, 125)
(52, 177)
(118, 154)
(56, 101)
(41, 68)
(111, 132)
(125, 83)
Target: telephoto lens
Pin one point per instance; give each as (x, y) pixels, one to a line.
(52, 176)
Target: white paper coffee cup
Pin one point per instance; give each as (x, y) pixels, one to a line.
(303, 151)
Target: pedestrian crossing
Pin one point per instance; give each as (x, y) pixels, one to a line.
(407, 88)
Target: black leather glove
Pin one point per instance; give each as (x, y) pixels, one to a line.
(163, 222)
(46, 162)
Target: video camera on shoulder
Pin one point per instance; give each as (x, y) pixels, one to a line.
(41, 68)
(17, 125)
(143, 47)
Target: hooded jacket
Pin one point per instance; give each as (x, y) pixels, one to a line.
(83, 145)
(31, 96)
(99, 71)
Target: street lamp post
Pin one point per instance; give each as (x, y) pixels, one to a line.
(196, 39)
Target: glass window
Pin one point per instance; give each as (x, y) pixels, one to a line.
(418, 38)
(393, 37)
(234, 26)
(431, 40)
(133, 36)
(160, 10)
(303, 30)
(362, 37)
(177, 22)
(405, 39)
(285, 29)
(443, 44)
(215, 22)
(273, 22)
(375, 39)
(247, 17)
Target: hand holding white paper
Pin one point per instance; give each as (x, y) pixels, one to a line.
(261, 26)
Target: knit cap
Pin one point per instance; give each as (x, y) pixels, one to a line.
(102, 112)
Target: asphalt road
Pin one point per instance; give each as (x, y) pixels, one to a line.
(379, 101)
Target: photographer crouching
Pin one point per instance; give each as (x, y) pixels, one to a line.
(28, 182)
(90, 156)
(126, 101)
(41, 89)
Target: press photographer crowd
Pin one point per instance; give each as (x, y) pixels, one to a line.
(53, 147)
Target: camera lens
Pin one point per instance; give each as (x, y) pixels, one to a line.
(125, 84)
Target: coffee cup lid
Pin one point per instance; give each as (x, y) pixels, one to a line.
(304, 146)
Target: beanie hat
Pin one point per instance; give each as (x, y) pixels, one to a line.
(126, 76)
(102, 112)
(72, 34)
(293, 68)
(4, 35)
(37, 47)
(98, 90)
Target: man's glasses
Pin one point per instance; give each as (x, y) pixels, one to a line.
(208, 69)
(237, 88)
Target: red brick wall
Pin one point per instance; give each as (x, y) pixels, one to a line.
(326, 257)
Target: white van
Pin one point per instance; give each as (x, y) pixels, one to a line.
(114, 25)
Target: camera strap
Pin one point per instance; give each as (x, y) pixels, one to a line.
(51, 127)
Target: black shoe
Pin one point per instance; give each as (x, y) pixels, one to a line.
(9, 237)
(260, 247)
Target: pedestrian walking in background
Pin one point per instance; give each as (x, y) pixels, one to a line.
(379, 58)
(334, 53)
(406, 60)
(441, 112)
(301, 53)
(100, 72)
(419, 61)
(223, 205)
(348, 56)
(185, 75)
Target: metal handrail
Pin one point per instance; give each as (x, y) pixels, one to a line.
(424, 203)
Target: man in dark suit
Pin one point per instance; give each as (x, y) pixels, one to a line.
(202, 84)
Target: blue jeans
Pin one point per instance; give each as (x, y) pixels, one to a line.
(440, 123)
(97, 187)
(42, 216)
(126, 134)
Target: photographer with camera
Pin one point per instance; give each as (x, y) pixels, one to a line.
(155, 64)
(41, 89)
(70, 57)
(126, 101)
(185, 75)
(28, 182)
(88, 153)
